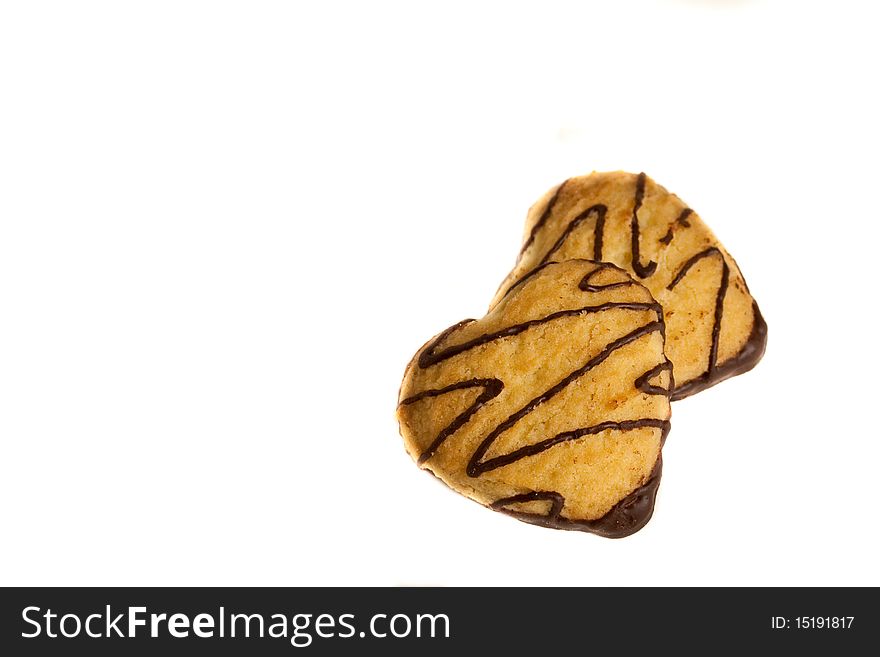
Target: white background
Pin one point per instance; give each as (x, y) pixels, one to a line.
(226, 227)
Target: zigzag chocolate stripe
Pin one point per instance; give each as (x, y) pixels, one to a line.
(543, 219)
(475, 467)
(492, 387)
(643, 382)
(428, 357)
(599, 211)
(587, 286)
(753, 349)
(719, 299)
(625, 518)
(636, 508)
(584, 284)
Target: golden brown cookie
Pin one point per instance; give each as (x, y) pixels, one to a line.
(553, 407)
(714, 329)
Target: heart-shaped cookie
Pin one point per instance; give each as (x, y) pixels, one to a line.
(714, 329)
(551, 408)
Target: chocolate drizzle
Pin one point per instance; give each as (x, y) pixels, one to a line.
(475, 469)
(557, 501)
(428, 357)
(476, 466)
(746, 359)
(599, 212)
(643, 271)
(587, 286)
(719, 300)
(752, 350)
(542, 220)
(584, 284)
(681, 220)
(626, 517)
(491, 389)
(644, 384)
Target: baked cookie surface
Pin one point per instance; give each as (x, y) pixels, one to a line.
(553, 407)
(714, 329)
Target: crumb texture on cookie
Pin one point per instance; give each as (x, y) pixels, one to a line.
(714, 329)
(554, 406)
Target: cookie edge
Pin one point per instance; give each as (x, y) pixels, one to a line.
(749, 356)
(625, 518)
